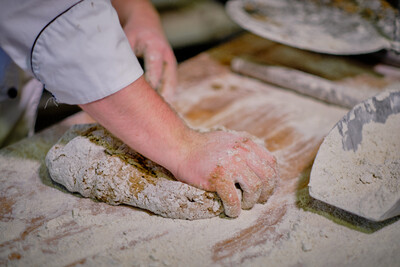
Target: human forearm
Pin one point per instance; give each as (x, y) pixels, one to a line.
(139, 117)
(214, 161)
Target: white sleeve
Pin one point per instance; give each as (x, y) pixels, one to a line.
(81, 54)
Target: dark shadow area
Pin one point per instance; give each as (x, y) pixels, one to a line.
(336, 215)
(50, 113)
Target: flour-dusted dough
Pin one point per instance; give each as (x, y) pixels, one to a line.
(89, 160)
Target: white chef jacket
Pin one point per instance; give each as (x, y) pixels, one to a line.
(77, 49)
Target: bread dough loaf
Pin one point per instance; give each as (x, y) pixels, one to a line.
(89, 160)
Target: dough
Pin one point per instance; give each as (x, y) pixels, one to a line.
(89, 160)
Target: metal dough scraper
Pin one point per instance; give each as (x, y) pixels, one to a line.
(357, 167)
(332, 27)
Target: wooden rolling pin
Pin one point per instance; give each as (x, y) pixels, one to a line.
(299, 81)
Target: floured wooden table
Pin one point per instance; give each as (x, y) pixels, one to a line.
(41, 224)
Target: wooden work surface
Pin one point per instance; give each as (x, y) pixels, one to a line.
(41, 224)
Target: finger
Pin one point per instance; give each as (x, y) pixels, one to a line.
(153, 64)
(265, 169)
(251, 186)
(268, 181)
(169, 78)
(267, 175)
(226, 190)
(268, 186)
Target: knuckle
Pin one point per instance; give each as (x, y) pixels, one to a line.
(255, 185)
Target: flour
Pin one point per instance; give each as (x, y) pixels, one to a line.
(48, 226)
(367, 181)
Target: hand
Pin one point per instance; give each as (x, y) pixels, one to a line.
(220, 161)
(159, 60)
(214, 161)
(142, 27)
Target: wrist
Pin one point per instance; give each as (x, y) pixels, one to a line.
(186, 142)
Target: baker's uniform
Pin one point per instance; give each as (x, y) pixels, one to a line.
(77, 50)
